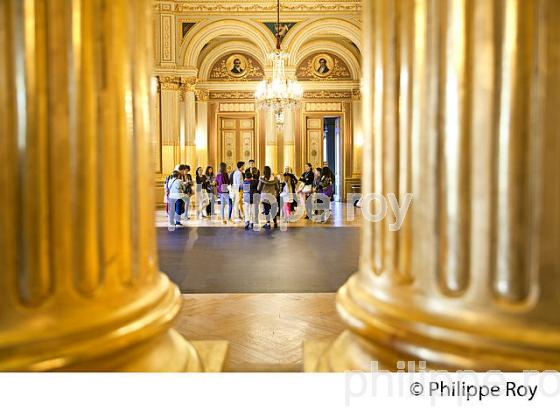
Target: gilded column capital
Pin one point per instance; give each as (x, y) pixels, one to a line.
(202, 95)
(187, 85)
(170, 83)
(356, 94)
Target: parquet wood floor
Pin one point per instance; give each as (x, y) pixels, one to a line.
(265, 331)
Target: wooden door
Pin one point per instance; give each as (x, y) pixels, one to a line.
(314, 141)
(237, 140)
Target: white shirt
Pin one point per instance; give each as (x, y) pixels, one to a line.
(237, 179)
(176, 188)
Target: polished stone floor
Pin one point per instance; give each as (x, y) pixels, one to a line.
(206, 256)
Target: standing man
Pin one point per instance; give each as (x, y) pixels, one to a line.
(254, 170)
(237, 190)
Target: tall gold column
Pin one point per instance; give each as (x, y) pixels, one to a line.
(461, 102)
(201, 134)
(79, 282)
(172, 136)
(289, 141)
(188, 120)
(271, 140)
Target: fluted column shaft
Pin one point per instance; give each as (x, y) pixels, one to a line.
(461, 100)
(201, 133)
(188, 121)
(289, 140)
(79, 284)
(271, 140)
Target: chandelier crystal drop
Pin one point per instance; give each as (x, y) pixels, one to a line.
(279, 93)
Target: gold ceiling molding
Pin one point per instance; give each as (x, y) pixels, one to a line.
(327, 95)
(232, 95)
(237, 67)
(239, 6)
(323, 67)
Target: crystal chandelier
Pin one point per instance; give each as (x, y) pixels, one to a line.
(280, 93)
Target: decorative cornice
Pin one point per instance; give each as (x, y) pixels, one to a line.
(239, 6)
(327, 95)
(232, 95)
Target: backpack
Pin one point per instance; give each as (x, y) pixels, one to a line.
(180, 207)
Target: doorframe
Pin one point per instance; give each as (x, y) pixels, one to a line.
(345, 139)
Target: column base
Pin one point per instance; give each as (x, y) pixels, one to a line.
(313, 350)
(347, 352)
(136, 336)
(387, 336)
(212, 354)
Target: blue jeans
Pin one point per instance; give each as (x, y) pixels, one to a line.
(224, 199)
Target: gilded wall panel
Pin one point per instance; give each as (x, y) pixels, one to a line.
(323, 106)
(237, 107)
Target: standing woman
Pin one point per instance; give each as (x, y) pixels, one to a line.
(201, 193)
(188, 189)
(175, 188)
(327, 183)
(325, 187)
(268, 185)
(305, 187)
(210, 189)
(222, 185)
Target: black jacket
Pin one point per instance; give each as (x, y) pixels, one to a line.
(249, 189)
(202, 181)
(307, 178)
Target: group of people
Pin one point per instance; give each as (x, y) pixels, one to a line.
(246, 193)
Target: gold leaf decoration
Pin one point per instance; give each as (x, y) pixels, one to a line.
(309, 69)
(224, 71)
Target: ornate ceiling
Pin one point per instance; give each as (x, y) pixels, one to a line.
(197, 37)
